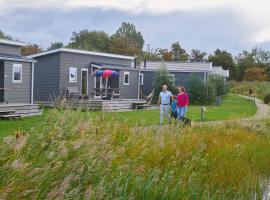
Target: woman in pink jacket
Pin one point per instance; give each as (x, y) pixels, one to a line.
(182, 103)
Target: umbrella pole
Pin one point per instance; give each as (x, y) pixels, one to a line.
(106, 86)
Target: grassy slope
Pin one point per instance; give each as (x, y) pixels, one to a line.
(261, 88)
(74, 156)
(232, 107)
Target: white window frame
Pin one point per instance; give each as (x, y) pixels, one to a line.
(173, 78)
(126, 73)
(141, 78)
(76, 75)
(16, 66)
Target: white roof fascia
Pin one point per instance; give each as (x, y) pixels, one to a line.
(17, 59)
(10, 42)
(82, 52)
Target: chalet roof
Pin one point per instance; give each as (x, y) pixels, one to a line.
(82, 52)
(178, 66)
(218, 70)
(13, 57)
(13, 43)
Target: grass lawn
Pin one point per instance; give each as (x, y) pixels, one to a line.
(232, 107)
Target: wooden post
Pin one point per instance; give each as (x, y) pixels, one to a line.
(203, 109)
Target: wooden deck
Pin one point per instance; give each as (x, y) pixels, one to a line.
(22, 110)
(116, 105)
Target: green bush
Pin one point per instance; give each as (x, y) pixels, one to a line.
(199, 92)
(266, 98)
(221, 86)
(196, 90)
(211, 93)
(162, 76)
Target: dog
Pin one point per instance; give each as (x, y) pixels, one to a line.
(186, 122)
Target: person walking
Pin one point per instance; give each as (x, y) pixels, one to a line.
(164, 102)
(182, 103)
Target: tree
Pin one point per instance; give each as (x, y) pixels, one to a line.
(30, 49)
(165, 54)
(224, 59)
(197, 55)
(178, 53)
(127, 40)
(90, 40)
(256, 57)
(162, 76)
(56, 45)
(151, 54)
(4, 36)
(129, 30)
(124, 46)
(255, 74)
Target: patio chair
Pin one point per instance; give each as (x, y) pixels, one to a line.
(116, 94)
(73, 94)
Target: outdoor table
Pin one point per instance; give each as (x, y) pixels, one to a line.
(136, 105)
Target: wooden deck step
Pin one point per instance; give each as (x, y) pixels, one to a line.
(6, 112)
(11, 116)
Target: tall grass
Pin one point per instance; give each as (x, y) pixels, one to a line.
(261, 88)
(76, 156)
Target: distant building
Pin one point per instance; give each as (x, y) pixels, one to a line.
(179, 71)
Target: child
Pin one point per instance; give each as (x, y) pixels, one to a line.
(174, 107)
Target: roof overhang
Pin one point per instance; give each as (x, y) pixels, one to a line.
(18, 59)
(82, 52)
(178, 70)
(13, 43)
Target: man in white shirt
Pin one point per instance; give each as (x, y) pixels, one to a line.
(164, 103)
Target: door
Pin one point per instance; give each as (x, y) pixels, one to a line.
(84, 81)
(2, 81)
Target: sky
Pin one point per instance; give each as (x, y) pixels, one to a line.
(232, 25)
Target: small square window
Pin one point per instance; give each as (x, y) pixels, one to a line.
(126, 78)
(17, 73)
(73, 75)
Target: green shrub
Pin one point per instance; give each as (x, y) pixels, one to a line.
(199, 92)
(162, 76)
(221, 86)
(196, 90)
(266, 98)
(210, 93)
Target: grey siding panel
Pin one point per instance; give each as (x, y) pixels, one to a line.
(148, 77)
(47, 77)
(18, 92)
(10, 49)
(1, 80)
(84, 61)
(129, 91)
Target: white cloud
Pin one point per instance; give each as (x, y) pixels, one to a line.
(254, 14)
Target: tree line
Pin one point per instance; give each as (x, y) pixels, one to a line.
(127, 40)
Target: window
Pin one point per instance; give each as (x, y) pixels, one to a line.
(141, 79)
(17, 73)
(126, 78)
(72, 74)
(172, 77)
